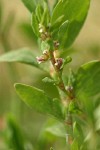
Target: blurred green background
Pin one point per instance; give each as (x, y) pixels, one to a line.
(16, 32)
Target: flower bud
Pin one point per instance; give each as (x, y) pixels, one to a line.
(43, 57)
(69, 88)
(40, 59)
(59, 62)
(56, 44)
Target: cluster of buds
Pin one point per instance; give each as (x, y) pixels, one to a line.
(44, 57)
(56, 45)
(70, 89)
(43, 32)
(58, 63)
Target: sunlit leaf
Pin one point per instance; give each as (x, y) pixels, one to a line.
(75, 12)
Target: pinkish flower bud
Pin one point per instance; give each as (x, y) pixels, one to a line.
(59, 62)
(43, 57)
(40, 59)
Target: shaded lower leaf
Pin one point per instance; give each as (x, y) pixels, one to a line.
(39, 101)
(87, 86)
(56, 128)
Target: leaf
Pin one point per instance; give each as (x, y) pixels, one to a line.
(22, 55)
(56, 128)
(78, 133)
(87, 87)
(62, 34)
(48, 80)
(14, 135)
(56, 25)
(39, 101)
(74, 145)
(45, 46)
(45, 20)
(73, 108)
(35, 24)
(39, 12)
(75, 12)
(30, 4)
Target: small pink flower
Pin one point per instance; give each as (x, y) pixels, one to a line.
(40, 59)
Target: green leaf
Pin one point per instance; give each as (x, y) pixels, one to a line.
(75, 12)
(15, 137)
(45, 20)
(57, 23)
(87, 87)
(30, 4)
(73, 108)
(74, 145)
(39, 101)
(35, 24)
(78, 133)
(48, 80)
(56, 128)
(39, 12)
(22, 55)
(45, 46)
(62, 35)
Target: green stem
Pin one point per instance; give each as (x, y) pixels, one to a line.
(61, 86)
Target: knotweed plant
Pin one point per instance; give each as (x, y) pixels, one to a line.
(77, 110)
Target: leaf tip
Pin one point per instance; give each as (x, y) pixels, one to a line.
(16, 85)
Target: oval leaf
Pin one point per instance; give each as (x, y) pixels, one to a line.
(39, 101)
(87, 86)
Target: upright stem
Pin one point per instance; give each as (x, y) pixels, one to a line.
(57, 64)
(69, 121)
(59, 74)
